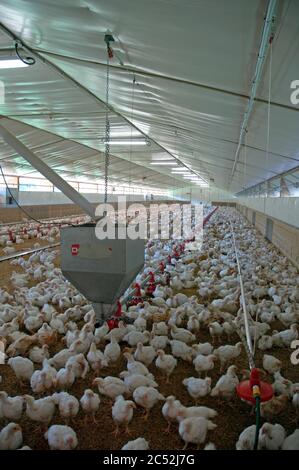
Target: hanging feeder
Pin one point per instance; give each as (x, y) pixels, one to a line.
(248, 389)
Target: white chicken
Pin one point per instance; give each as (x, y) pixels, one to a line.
(65, 377)
(271, 364)
(145, 354)
(170, 410)
(190, 411)
(112, 351)
(135, 367)
(37, 354)
(90, 403)
(110, 386)
(226, 384)
(292, 441)
(61, 437)
(246, 438)
(226, 353)
(138, 444)
(122, 413)
(181, 350)
(11, 407)
(166, 362)
(68, 405)
(181, 334)
(216, 330)
(198, 387)
(79, 364)
(41, 410)
(147, 397)
(133, 381)
(194, 430)
(203, 348)
(11, 437)
(271, 436)
(22, 367)
(134, 337)
(204, 363)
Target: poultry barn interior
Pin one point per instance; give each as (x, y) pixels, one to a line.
(129, 114)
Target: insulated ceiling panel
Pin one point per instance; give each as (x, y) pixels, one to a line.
(193, 63)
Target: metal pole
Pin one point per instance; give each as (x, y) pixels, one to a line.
(46, 171)
(246, 322)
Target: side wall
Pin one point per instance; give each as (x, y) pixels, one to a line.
(284, 236)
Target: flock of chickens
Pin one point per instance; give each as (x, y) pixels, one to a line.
(51, 344)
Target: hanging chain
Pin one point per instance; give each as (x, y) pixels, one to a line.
(107, 131)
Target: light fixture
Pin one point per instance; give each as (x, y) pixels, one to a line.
(120, 133)
(180, 169)
(127, 142)
(162, 158)
(164, 163)
(10, 62)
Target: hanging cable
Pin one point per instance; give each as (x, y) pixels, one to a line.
(131, 149)
(269, 105)
(108, 39)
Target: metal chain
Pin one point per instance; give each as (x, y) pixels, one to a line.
(107, 131)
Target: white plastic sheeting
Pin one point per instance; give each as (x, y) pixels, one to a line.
(193, 62)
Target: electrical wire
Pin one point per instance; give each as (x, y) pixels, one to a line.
(28, 60)
(131, 145)
(269, 108)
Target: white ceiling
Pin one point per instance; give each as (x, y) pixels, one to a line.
(193, 62)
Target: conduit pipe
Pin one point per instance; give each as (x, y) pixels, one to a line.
(267, 37)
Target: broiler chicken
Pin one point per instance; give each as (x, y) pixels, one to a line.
(271, 364)
(198, 387)
(226, 384)
(11, 407)
(122, 413)
(65, 377)
(166, 362)
(271, 436)
(135, 367)
(147, 397)
(170, 410)
(79, 365)
(204, 363)
(145, 354)
(246, 438)
(68, 405)
(227, 353)
(138, 444)
(194, 430)
(41, 410)
(110, 386)
(61, 437)
(112, 351)
(180, 334)
(133, 381)
(181, 350)
(292, 441)
(22, 367)
(11, 437)
(90, 403)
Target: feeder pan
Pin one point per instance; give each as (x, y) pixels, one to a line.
(244, 389)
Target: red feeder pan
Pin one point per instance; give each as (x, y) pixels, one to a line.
(244, 388)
